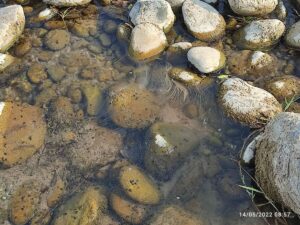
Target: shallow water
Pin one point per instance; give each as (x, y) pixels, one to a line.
(206, 184)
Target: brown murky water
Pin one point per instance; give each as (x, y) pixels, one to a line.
(204, 181)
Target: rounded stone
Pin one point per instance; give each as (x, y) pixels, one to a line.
(66, 3)
(259, 34)
(132, 106)
(157, 12)
(138, 186)
(284, 87)
(23, 47)
(37, 73)
(292, 37)
(12, 23)
(203, 20)
(206, 59)
(6, 61)
(247, 104)
(253, 8)
(147, 41)
(174, 215)
(277, 156)
(83, 208)
(129, 211)
(57, 39)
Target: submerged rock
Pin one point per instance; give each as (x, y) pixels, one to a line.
(202, 20)
(128, 210)
(66, 3)
(206, 59)
(157, 12)
(84, 208)
(167, 146)
(252, 65)
(37, 73)
(132, 106)
(292, 37)
(138, 185)
(174, 215)
(95, 147)
(12, 23)
(247, 104)
(5, 61)
(24, 203)
(93, 96)
(22, 132)
(147, 41)
(277, 156)
(259, 34)
(57, 39)
(284, 87)
(253, 8)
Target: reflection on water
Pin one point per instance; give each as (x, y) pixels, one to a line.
(89, 89)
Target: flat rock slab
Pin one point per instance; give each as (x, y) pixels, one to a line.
(12, 23)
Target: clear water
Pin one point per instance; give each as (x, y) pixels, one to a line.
(207, 183)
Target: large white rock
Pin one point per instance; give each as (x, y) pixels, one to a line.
(277, 160)
(147, 41)
(206, 59)
(12, 23)
(292, 37)
(259, 34)
(203, 20)
(252, 8)
(66, 3)
(158, 12)
(247, 104)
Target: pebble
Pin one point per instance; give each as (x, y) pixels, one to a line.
(259, 34)
(37, 73)
(292, 37)
(23, 47)
(57, 39)
(132, 106)
(174, 215)
(139, 186)
(93, 96)
(56, 72)
(147, 41)
(253, 8)
(206, 59)
(129, 211)
(284, 87)
(83, 208)
(203, 20)
(105, 40)
(157, 12)
(66, 3)
(247, 104)
(12, 23)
